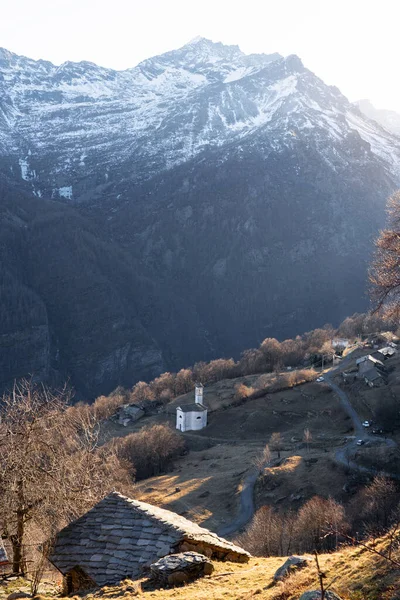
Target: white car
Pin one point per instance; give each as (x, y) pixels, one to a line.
(366, 424)
(319, 379)
(360, 442)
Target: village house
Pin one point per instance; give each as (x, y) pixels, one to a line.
(387, 352)
(128, 413)
(119, 537)
(371, 369)
(340, 343)
(192, 417)
(365, 363)
(377, 355)
(386, 337)
(374, 378)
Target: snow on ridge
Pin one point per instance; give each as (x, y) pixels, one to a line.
(238, 74)
(195, 40)
(167, 111)
(386, 147)
(65, 192)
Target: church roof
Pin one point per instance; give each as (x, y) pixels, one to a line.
(194, 407)
(118, 536)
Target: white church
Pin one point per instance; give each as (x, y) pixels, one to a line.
(193, 416)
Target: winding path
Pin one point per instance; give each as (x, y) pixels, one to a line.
(246, 510)
(342, 456)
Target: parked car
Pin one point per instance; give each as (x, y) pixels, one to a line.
(366, 424)
(360, 442)
(377, 431)
(319, 379)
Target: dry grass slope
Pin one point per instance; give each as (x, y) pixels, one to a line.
(353, 573)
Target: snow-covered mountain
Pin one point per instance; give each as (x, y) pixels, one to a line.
(74, 128)
(211, 199)
(388, 119)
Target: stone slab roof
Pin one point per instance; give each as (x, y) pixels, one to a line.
(3, 554)
(388, 351)
(118, 536)
(372, 375)
(370, 358)
(194, 407)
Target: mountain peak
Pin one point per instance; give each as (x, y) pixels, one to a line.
(206, 48)
(197, 40)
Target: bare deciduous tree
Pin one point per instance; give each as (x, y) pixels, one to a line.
(51, 468)
(272, 352)
(377, 502)
(385, 270)
(184, 382)
(263, 459)
(151, 450)
(307, 438)
(317, 518)
(276, 443)
(269, 533)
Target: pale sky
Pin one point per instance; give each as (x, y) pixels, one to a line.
(353, 44)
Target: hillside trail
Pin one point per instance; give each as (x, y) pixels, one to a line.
(342, 456)
(246, 510)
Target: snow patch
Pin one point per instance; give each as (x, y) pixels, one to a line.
(238, 74)
(65, 192)
(26, 172)
(386, 147)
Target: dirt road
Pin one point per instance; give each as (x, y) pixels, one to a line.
(246, 510)
(344, 456)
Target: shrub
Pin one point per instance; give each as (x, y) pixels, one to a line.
(141, 392)
(151, 450)
(243, 391)
(284, 381)
(105, 406)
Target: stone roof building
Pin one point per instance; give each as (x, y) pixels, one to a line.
(387, 352)
(374, 377)
(365, 363)
(119, 536)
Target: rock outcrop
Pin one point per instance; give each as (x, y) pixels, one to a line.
(184, 567)
(292, 564)
(316, 595)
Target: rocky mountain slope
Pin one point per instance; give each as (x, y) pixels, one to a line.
(388, 119)
(185, 208)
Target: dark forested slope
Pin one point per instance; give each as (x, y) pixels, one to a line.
(181, 210)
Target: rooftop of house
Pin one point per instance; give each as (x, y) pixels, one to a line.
(119, 536)
(193, 407)
(372, 374)
(370, 358)
(388, 351)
